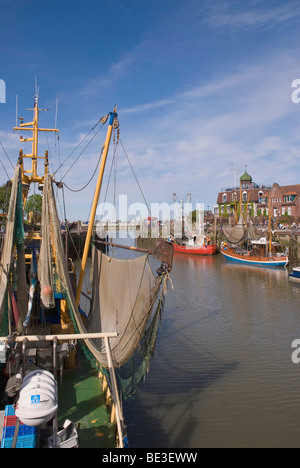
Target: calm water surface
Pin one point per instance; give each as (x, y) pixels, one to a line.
(222, 374)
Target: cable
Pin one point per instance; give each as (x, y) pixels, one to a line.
(5, 170)
(135, 176)
(78, 146)
(79, 190)
(7, 156)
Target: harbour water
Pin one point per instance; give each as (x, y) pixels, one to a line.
(222, 373)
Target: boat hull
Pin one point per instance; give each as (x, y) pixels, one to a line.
(295, 276)
(257, 261)
(196, 249)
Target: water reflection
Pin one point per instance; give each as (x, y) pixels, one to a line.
(222, 374)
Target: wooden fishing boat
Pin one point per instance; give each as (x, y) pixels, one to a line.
(245, 248)
(255, 255)
(41, 319)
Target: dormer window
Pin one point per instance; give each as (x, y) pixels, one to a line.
(224, 197)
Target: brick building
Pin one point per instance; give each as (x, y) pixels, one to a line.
(284, 200)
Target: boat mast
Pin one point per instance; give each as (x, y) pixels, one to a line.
(112, 115)
(34, 128)
(269, 227)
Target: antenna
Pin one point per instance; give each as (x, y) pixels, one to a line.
(36, 90)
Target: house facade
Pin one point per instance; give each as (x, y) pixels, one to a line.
(256, 199)
(284, 200)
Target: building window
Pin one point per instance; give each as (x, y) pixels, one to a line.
(244, 196)
(224, 197)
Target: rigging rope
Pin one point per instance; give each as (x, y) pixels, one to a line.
(79, 190)
(93, 128)
(5, 170)
(135, 176)
(7, 156)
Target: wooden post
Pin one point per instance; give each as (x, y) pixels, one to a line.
(116, 399)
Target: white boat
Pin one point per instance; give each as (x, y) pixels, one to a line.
(295, 276)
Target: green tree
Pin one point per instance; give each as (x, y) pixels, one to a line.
(34, 203)
(5, 191)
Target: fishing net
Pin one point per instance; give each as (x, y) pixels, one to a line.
(14, 237)
(239, 232)
(235, 234)
(124, 292)
(133, 372)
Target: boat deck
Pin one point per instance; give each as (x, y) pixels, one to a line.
(81, 400)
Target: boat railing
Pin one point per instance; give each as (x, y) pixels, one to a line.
(77, 336)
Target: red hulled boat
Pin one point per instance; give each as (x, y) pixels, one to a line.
(210, 249)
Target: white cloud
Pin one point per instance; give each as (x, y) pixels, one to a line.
(254, 16)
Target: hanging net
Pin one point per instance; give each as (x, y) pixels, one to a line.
(133, 372)
(124, 293)
(236, 233)
(14, 239)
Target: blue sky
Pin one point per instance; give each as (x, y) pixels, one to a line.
(198, 85)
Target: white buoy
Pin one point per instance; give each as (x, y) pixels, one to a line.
(37, 402)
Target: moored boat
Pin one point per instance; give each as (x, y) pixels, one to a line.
(246, 248)
(41, 318)
(193, 241)
(206, 249)
(250, 257)
(295, 275)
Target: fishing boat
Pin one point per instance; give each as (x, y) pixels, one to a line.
(246, 247)
(193, 243)
(193, 249)
(237, 254)
(41, 320)
(262, 252)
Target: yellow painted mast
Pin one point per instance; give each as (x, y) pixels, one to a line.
(241, 214)
(31, 175)
(269, 226)
(113, 115)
